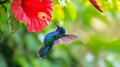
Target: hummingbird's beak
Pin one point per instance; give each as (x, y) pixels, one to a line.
(55, 23)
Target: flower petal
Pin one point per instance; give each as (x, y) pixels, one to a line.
(35, 13)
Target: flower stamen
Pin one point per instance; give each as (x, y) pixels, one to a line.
(42, 16)
(40, 0)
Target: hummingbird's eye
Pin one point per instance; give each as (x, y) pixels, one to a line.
(62, 30)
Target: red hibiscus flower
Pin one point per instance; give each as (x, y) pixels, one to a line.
(35, 13)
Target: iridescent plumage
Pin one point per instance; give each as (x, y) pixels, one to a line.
(55, 37)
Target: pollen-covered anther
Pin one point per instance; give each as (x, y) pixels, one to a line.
(42, 16)
(40, 0)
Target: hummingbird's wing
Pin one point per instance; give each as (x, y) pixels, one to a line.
(67, 38)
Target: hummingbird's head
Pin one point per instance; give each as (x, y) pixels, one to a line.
(61, 30)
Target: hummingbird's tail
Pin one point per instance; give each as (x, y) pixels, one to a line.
(43, 51)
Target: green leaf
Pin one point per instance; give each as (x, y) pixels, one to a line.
(1, 26)
(3, 14)
(70, 12)
(95, 44)
(13, 24)
(4, 7)
(31, 43)
(58, 13)
(108, 64)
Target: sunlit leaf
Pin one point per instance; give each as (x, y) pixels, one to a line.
(70, 11)
(58, 13)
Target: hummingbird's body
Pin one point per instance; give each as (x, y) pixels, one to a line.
(49, 40)
(55, 37)
(52, 36)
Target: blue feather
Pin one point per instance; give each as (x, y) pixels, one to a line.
(43, 51)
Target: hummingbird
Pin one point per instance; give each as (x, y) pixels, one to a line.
(53, 38)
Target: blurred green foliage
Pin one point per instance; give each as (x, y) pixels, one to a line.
(98, 44)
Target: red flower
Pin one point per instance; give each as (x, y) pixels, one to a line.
(35, 13)
(96, 5)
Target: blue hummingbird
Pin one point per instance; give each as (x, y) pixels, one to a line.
(53, 38)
